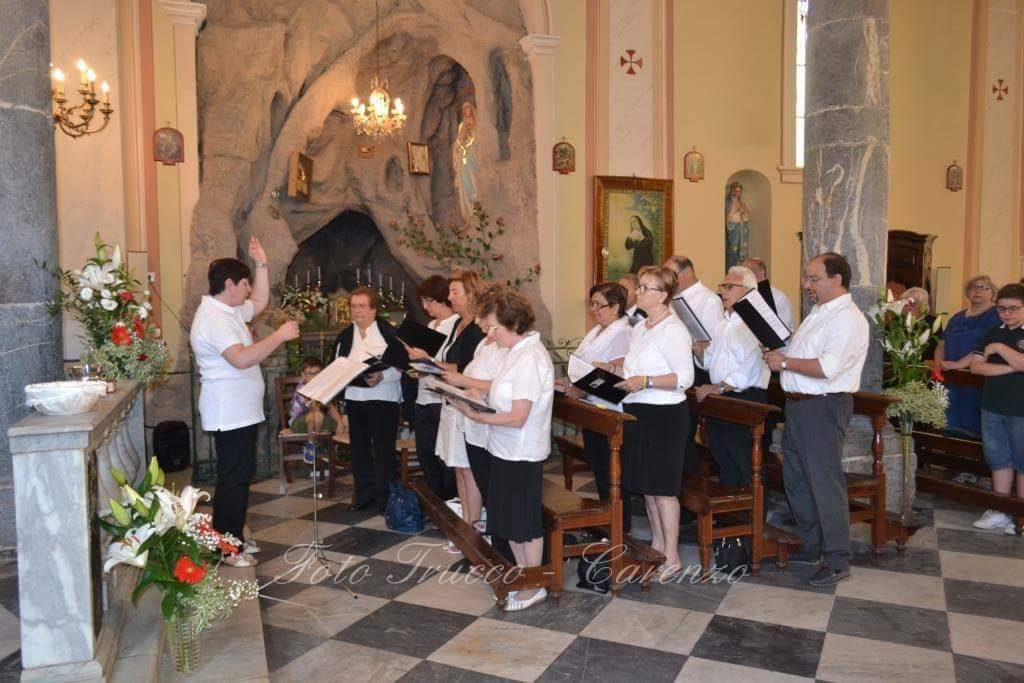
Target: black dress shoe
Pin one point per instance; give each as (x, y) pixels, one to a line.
(805, 557)
(826, 576)
(360, 507)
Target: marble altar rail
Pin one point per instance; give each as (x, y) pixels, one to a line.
(71, 614)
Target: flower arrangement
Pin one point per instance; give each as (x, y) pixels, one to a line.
(470, 245)
(177, 549)
(307, 305)
(114, 309)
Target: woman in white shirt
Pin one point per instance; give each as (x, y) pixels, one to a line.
(606, 342)
(658, 369)
(433, 294)
(519, 434)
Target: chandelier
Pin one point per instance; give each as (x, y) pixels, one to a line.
(76, 121)
(378, 118)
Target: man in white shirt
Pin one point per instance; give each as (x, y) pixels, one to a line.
(231, 397)
(733, 360)
(629, 282)
(783, 307)
(820, 369)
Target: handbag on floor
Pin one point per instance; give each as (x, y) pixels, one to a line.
(403, 513)
(732, 554)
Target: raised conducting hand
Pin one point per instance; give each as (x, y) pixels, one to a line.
(256, 252)
(289, 330)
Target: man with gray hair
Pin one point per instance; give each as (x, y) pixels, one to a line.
(783, 307)
(737, 370)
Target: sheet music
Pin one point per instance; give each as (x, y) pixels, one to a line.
(766, 325)
(426, 367)
(578, 368)
(454, 393)
(694, 326)
(331, 380)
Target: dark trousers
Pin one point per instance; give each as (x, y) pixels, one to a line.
(236, 463)
(812, 468)
(599, 457)
(480, 466)
(373, 428)
(691, 459)
(440, 478)
(730, 443)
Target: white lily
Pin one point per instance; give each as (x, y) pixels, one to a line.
(86, 294)
(175, 510)
(126, 551)
(889, 298)
(106, 293)
(142, 313)
(897, 306)
(924, 336)
(115, 260)
(96, 277)
(937, 324)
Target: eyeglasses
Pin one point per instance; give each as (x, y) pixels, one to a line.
(426, 301)
(980, 286)
(728, 285)
(491, 328)
(1009, 309)
(643, 289)
(597, 305)
(813, 279)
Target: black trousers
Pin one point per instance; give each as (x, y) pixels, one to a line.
(236, 463)
(599, 456)
(373, 429)
(480, 466)
(812, 470)
(440, 478)
(730, 443)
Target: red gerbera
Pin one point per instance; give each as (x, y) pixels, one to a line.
(120, 335)
(139, 325)
(227, 548)
(125, 295)
(188, 571)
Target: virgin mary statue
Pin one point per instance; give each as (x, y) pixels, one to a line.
(464, 160)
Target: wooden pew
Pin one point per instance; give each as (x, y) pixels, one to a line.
(741, 509)
(865, 492)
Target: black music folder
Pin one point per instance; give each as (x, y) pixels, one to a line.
(694, 326)
(762, 320)
(595, 381)
(412, 333)
(453, 393)
(765, 287)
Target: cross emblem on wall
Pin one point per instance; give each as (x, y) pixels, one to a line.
(631, 62)
(1000, 90)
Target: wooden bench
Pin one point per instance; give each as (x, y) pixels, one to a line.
(865, 492)
(739, 511)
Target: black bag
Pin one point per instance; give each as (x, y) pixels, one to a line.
(171, 446)
(594, 571)
(732, 554)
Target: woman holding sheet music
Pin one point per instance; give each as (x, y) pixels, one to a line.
(372, 401)
(433, 294)
(736, 366)
(606, 342)
(519, 433)
(658, 368)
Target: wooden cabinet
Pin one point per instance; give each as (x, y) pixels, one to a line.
(910, 261)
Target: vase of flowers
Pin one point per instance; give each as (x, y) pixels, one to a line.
(114, 309)
(178, 551)
(922, 396)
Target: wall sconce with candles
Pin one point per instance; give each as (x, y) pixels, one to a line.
(76, 121)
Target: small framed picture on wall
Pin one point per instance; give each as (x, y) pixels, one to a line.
(419, 158)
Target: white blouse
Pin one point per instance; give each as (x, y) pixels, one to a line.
(601, 345)
(525, 374)
(390, 387)
(665, 349)
(486, 361)
(424, 397)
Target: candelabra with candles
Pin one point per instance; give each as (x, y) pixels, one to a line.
(76, 121)
(389, 299)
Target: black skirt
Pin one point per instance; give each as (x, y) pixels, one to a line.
(513, 500)
(654, 448)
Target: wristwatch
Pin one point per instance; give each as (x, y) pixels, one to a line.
(260, 264)
(784, 364)
(649, 383)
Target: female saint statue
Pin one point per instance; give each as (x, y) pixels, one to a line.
(737, 226)
(464, 160)
(641, 241)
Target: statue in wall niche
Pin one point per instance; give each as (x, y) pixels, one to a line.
(464, 160)
(737, 226)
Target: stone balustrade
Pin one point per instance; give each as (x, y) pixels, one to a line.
(71, 614)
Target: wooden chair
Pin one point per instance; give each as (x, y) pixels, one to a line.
(290, 444)
(739, 511)
(574, 458)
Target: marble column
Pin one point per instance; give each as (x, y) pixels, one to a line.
(30, 338)
(846, 178)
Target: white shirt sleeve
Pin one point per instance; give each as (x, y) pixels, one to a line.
(248, 310)
(220, 334)
(746, 353)
(842, 347)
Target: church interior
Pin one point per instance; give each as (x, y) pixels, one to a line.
(352, 152)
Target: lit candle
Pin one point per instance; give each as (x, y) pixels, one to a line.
(380, 280)
(307, 276)
(357, 277)
(91, 77)
(296, 280)
(399, 107)
(106, 92)
(369, 275)
(318, 273)
(403, 289)
(58, 82)
(391, 284)
(84, 69)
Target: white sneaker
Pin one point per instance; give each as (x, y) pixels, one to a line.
(250, 547)
(993, 519)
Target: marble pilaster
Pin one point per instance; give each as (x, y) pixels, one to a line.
(30, 338)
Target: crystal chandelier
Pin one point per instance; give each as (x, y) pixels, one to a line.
(378, 118)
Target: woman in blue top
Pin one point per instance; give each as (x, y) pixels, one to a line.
(954, 352)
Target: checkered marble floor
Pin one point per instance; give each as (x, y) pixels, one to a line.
(950, 608)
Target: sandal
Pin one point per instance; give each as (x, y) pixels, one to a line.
(240, 560)
(515, 605)
(452, 549)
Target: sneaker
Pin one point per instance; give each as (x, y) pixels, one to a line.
(826, 576)
(309, 452)
(250, 548)
(993, 519)
(806, 557)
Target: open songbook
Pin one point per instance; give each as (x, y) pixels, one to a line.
(694, 326)
(594, 381)
(339, 374)
(453, 393)
(426, 367)
(766, 325)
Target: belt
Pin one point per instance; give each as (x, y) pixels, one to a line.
(794, 396)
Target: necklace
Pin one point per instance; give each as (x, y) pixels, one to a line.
(652, 323)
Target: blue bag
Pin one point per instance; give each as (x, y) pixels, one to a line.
(403, 513)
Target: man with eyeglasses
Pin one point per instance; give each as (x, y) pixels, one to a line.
(820, 369)
(999, 357)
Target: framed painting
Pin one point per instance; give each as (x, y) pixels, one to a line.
(300, 176)
(632, 225)
(419, 158)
